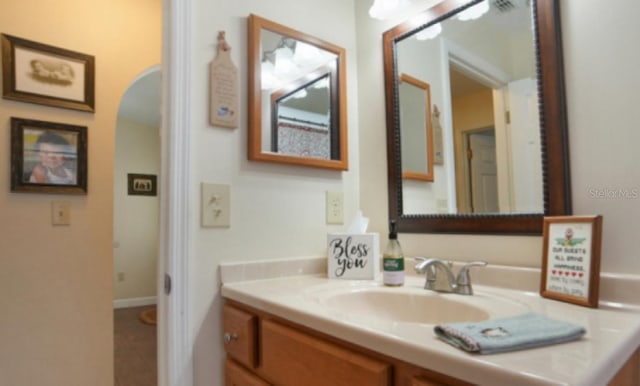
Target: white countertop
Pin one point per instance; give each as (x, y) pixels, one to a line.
(612, 334)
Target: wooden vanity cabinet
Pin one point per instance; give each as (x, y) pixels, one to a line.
(286, 354)
(240, 335)
(291, 357)
(236, 375)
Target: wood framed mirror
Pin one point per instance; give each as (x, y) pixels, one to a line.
(415, 128)
(297, 98)
(527, 182)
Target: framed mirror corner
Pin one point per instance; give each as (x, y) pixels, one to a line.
(297, 98)
(500, 160)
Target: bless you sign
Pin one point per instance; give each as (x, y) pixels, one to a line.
(353, 256)
(571, 260)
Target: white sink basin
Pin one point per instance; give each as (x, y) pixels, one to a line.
(370, 303)
(427, 307)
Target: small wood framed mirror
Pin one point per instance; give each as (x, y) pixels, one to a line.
(297, 98)
(415, 128)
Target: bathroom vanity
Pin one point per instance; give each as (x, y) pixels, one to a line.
(311, 330)
(287, 353)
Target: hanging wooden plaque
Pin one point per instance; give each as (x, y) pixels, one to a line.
(223, 108)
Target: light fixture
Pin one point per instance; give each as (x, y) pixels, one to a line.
(386, 9)
(430, 32)
(475, 11)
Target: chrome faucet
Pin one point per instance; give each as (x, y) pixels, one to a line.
(461, 284)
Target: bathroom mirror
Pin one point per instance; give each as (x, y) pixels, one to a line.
(297, 98)
(499, 93)
(415, 129)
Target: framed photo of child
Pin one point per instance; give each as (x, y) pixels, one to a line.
(48, 157)
(571, 259)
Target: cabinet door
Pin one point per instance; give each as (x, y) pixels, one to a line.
(236, 375)
(240, 335)
(292, 358)
(420, 381)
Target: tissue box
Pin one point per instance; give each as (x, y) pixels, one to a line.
(353, 256)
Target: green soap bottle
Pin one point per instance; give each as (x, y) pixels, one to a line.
(393, 260)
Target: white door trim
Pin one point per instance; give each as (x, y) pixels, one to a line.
(175, 343)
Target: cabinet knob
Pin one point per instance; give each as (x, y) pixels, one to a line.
(229, 337)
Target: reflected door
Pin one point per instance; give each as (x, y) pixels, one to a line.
(483, 172)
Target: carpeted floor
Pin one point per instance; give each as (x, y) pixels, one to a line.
(135, 347)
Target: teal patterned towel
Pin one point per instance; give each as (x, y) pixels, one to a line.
(508, 334)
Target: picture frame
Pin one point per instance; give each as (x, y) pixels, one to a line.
(142, 184)
(38, 73)
(48, 157)
(571, 259)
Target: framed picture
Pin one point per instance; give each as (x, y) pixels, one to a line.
(47, 75)
(48, 157)
(571, 259)
(142, 184)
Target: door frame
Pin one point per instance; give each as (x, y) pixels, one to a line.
(175, 340)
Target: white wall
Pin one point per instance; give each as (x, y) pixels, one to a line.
(135, 218)
(276, 211)
(602, 77)
(602, 80)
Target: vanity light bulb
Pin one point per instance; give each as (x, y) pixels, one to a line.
(382, 9)
(474, 12)
(430, 32)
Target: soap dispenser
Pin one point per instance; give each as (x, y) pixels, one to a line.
(393, 260)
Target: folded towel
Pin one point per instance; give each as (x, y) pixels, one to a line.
(508, 334)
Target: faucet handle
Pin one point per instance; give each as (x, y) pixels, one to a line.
(463, 280)
(419, 267)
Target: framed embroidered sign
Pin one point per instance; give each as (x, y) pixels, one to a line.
(571, 259)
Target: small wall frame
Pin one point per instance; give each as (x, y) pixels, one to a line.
(571, 259)
(142, 184)
(37, 73)
(48, 157)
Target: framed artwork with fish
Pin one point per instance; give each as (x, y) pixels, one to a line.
(37, 73)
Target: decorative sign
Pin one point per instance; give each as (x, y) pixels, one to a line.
(571, 259)
(223, 110)
(438, 155)
(353, 256)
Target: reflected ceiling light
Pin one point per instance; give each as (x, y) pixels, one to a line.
(386, 9)
(268, 80)
(284, 60)
(322, 83)
(475, 11)
(306, 54)
(302, 93)
(429, 32)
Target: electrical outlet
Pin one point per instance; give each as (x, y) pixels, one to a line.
(215, 206)
(335, 208)
(60, 213)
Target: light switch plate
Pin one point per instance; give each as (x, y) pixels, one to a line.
(335, 208)
(215, 206)
(60, 213)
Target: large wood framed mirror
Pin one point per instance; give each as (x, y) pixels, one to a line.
(297, 98)
(497, 84)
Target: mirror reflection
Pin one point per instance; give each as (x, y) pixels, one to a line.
(301, 119)
(297, 108)
(415, 129)
(492, 85)
(482, 73)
